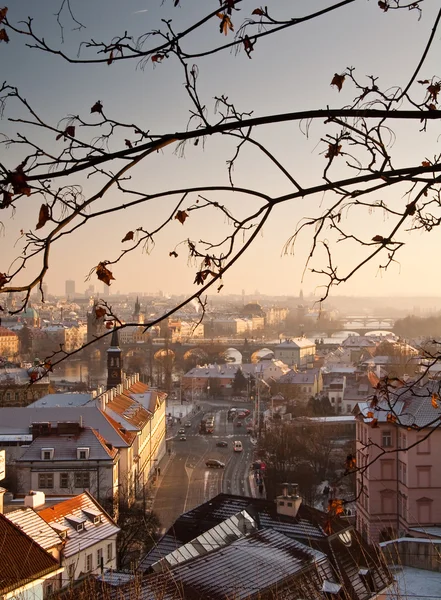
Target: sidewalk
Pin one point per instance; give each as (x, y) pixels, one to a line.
(155, 482)
(254, 486)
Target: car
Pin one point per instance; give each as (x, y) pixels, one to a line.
(182, 430)
(239, 424)
(182, 438)
(214, 464)
(222, 444)
(241, 415)
(188, 424)
(238, 446)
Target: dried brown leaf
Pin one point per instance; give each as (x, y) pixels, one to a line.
(100, 312)
(43, 216)
(181, 215)
(103, 273)
(18, 181)
(97, 107)
(129, 236)
(338, 80)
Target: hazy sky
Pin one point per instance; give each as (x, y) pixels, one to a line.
(286, 73)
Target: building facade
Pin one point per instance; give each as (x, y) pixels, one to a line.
(399, 484)
(298, 352)
(66, 459)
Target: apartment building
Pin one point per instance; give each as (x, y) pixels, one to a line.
(8, 343)
(398, 448)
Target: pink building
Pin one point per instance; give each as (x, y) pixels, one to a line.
(399, 493)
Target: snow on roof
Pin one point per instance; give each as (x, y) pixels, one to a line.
(417, 584)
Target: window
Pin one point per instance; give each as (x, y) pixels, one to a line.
(46, 481)
(82, 479)
(387, 502)
(402, 472)
(99, 558)
(423, 446)
(424, 511)
(387, 469)
(109, 551)
(367, 579)
(88, 563)
(71, 571)
(83, 453)
(423, 477)
(402, 505)
(47, 453)
(386, 439)
(64, 480)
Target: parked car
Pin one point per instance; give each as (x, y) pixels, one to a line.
(214, 464)
(188, 424)
(182, 430)
(182, 438)
(222, 444)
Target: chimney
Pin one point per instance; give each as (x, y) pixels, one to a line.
(34, 499)
(288, 503)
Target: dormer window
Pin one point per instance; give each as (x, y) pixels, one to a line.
(80, 527)
(97, 520)
(83, 453)
(367, 579)
(47, 453)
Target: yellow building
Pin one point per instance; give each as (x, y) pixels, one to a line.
(8, 343)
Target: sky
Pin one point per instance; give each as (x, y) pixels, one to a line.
(291, 71)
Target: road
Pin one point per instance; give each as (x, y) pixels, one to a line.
(185, 481)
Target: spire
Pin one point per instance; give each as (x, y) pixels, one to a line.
(137, 306)
(114, 342)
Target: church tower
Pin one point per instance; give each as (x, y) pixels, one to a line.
(114, 362)
(137, 310)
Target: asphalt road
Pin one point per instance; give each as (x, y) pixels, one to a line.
(186, 482)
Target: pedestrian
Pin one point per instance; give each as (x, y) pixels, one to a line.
(159, 471)
(261, 488)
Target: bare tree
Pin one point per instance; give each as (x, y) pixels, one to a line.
(70, 166)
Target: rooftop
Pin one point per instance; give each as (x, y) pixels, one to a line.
(23, 560)
(35, 527)
(84, 509)
(65, 446)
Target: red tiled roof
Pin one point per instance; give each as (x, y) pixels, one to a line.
(130, 410)
(7, 332)
(138, 388)
(111, 452)
(127, 436)
(22, 559)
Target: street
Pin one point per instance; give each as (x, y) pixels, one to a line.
(185, 481)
